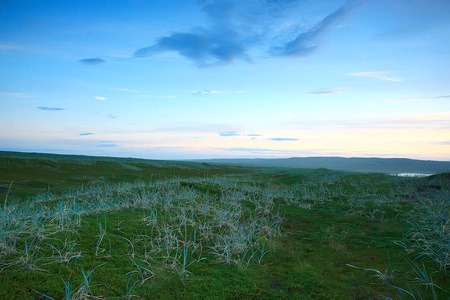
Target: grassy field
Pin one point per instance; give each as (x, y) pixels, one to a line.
(80, 227)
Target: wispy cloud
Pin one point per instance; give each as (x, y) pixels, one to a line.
(112, 88)
(376, 75)
(123, 90)
(250, 149)
(106, 144)
(157, 97)
(264, 151)
(205, 92)
(229, 133)
(234, 133)
(92, 61)
(422, 121)
(307, 42)
(282, 139)
(418, 98)
(235, 27)
(417, 18)
(49, 108)
(212, 92)
(101, 98)
(86, 133)
(404, 99)
(10, 47)
(212, 128)
(112, 117)
(435, 117)
(325, 92)
(11, 94)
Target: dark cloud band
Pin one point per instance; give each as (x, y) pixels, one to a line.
(92, 61)
(49, 108)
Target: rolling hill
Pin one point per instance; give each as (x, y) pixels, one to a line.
(356, 164)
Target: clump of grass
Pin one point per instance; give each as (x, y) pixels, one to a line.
(429, 237)
(421, 277)
(83, 290)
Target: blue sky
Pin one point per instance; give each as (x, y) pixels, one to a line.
(181, 79)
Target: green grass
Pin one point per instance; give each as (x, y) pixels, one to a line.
(41, 173)
(130, 229)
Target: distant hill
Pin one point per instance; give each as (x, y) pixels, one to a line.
(357, 164)
(71, 157)
(86, 159)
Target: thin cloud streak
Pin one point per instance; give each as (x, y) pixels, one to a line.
(12, 94)
(92, 61)
(212, 92)
(157, 97)
(436, 117)
(376, 75)
(260, 150)
(50, 108)
(212, 128)
(10, 47)
(282, 139)
(123, 90)
(435, 121)
(229, 133)
(204, 92)
(404, 99)
(325, 92)
(234, 133)
(417, 98)
(307, 42)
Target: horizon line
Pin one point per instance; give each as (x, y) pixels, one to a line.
(218, 158)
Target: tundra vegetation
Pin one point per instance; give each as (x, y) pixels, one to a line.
(80, 228)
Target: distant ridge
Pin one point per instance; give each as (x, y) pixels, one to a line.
(77, 157)
(357, 164)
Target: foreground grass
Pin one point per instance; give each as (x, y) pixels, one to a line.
(274, 234)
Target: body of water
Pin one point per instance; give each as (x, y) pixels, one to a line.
(413, 174)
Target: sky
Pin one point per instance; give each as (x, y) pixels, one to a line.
(198, 79)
